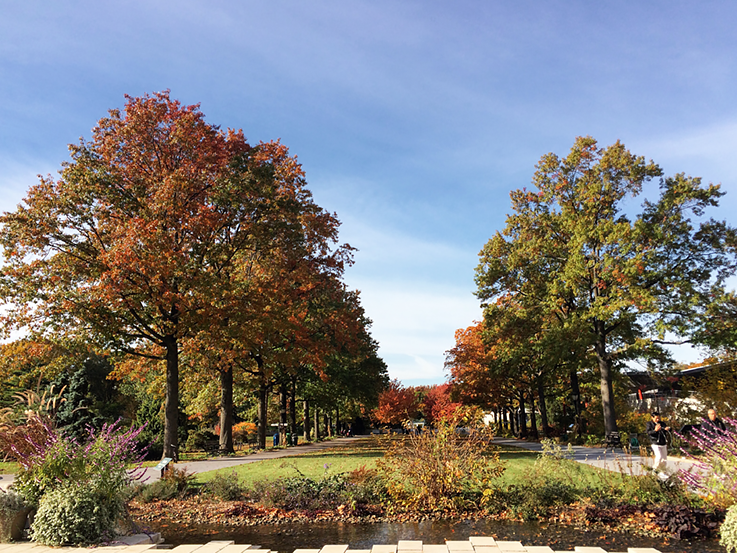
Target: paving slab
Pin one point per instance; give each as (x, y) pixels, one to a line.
(409, 545)
(434, 548)
(642, 550)
(384, 548)
(306, 551)
(482, 540)
(459, 545)
(334, 549)
(538, 549)
(487, 549)
(510, 546)
(186, 548)
(240, 548)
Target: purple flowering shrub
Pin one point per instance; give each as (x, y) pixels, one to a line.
(714, 473)
(100, 462)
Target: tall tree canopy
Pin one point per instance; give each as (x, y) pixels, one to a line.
(619, 280)
(149, 226)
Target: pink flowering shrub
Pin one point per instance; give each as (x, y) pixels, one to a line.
(100, 462)
(714, 473)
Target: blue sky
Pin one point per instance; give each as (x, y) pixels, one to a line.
(412, 119)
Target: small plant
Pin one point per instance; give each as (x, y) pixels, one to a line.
(728, 531)
(226, 486)
(175, 483)
(302, 493)
(161, 490)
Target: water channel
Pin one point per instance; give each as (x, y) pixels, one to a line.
(286, 538)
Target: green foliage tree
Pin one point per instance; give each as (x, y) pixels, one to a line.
(619, 281)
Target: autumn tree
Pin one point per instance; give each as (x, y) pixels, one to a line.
(438, 405)
(129, 245)
(467, 363)
(621, 280)
(397, 404)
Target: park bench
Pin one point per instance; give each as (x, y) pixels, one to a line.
(211, 446)
(613, 440)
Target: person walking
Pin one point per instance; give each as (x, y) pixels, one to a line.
(656, 431)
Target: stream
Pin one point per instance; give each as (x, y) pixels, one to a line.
(285, 538)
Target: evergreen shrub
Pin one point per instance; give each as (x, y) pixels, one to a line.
(76, 514)
(728, 530)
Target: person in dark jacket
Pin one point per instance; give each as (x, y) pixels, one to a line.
(656, 431)
(713, 424)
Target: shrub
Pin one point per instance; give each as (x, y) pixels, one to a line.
(366, 487)
(99, 463)
(75, 514)
(11, 505)
(197, 440)
(175, 483)
(728, 530)
(715, 472)
(226, 486)
(161, 490)
(302, 493)
(439, 470)
(529, 501)
(244, 431)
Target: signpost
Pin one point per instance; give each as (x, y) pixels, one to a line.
(162, 465)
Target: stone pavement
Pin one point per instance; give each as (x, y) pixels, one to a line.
(215, 463)
(475, 544)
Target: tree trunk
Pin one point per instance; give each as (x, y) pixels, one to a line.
(171, 405)
(263, 405)
(317, 423)
(522, 416)
(283, 415)
(543, 407)
(328, 429)
(533, 417)
(293, 411)
(226, 410)
(337, 421)
(606, 384)
(576, 394)
(306, 409)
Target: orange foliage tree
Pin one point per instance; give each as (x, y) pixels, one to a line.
(150, 221)
(397, 404)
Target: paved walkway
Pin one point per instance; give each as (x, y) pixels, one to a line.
(617, 460)
(215, 463)
(475, 544)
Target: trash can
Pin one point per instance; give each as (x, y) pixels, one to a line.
(289, 438)
(276, 439)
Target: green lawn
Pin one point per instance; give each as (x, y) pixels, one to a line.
(519, 464)
(339, 459)
(8, 467)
